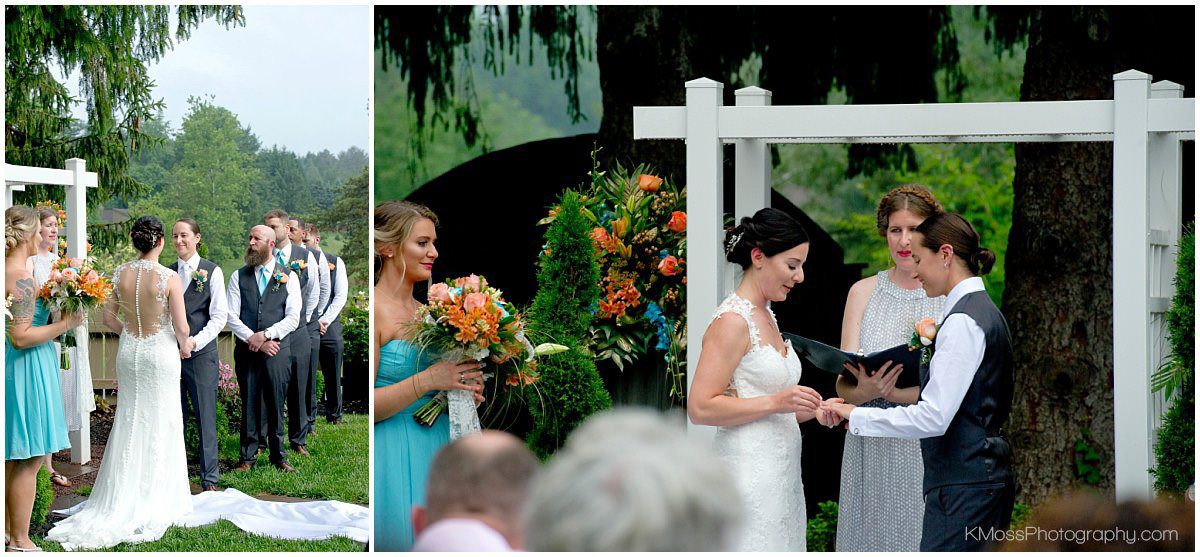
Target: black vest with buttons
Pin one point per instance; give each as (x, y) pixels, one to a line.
(259, 312)
(301, 253)
(196, 304)
(973, 450)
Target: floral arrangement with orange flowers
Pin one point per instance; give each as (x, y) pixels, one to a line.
(466, 319)
(640, 237)
(74, 285)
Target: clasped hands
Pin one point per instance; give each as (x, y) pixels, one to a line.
(807, 404)
(258, 342)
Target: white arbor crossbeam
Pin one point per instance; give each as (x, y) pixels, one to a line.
(1145, 122)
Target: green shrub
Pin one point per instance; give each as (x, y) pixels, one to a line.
(1020, 514)
(42, 499)
(568, 389)
(821, 534)
(1175, 448)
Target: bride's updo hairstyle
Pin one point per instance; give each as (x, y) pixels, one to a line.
(914, 198)
(146, 233)
(19, 222)
(950, 228)
(770, 230)
(394, 221)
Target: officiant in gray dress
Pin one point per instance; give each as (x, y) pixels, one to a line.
(881, 504)
(207, 311)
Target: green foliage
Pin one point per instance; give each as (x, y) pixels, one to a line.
(346, 216)
(1181, 321)
(1087, 459)
(356, 335)
(42, 499)
(1020, 514)
(111, 48)
(569, 388)
(821, 534)
(1175, 451)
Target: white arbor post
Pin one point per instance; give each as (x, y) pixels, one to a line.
(705, 183)
(76, 180)
(751, 162)
(1144, 126)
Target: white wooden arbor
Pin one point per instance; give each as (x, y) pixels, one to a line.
(76, 180)
(1145, 122)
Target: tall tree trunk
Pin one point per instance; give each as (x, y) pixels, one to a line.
(1058, 295)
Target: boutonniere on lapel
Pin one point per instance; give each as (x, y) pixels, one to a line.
(332, 266)
(280, 278)
(201, 279)
(298, 265)
(924, 333)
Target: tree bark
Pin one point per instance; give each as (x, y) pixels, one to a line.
(1058, 294)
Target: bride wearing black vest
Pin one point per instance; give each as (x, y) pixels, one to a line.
(966, 395)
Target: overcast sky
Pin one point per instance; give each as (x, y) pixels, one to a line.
(297, 76)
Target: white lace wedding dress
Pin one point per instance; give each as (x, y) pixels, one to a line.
(764, 455)
(142, 486)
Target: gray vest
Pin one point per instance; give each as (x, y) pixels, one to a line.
(973, 449)
(259, 312)
(300, 252)
(196, 303)
(333, 283)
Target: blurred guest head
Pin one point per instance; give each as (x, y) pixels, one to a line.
(477, 486)
(1092, 521)
(632, 480)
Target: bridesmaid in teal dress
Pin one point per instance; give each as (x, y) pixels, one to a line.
(34, 424)
(406, 377)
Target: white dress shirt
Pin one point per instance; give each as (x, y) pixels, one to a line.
(960, 346)
(339, 296)
(218, 312)
(291, 317)
(314, 277)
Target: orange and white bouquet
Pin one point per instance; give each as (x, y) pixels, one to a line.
(74, 285)
(466, 319)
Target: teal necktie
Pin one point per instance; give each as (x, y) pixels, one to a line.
(263, 276)
(279, 257)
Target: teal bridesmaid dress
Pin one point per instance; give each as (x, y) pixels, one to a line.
(404, 450)
(34, 423)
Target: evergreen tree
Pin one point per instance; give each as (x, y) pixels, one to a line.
(569, 388)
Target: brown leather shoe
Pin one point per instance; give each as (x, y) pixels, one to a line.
(300, 449)
(210, 488)
(243, 467)
(337, 421)
(285, 467)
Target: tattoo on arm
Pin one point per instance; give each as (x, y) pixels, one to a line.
(24, 300)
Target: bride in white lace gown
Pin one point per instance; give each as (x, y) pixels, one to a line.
(746, 383)
(142, 486)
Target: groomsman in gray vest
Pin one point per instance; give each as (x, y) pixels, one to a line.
(297, 259)
(205, 303)
(309, 393)
(331, 327)
(264, 308)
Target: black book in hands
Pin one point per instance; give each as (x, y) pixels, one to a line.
(825, 357)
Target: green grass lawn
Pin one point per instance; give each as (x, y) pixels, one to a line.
(338, 468)
(221, 536)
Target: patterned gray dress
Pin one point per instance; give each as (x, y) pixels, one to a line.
(881, 501)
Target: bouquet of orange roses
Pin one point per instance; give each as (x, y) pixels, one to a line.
(74, 286)
(466, 319)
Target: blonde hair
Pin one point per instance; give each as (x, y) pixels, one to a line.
(19, 222)
(394, 221)
(914, 198)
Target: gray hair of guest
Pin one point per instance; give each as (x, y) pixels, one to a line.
(632, 480)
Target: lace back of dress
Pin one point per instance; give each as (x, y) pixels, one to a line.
(141, 290)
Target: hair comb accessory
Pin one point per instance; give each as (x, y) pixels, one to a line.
(733, 242)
